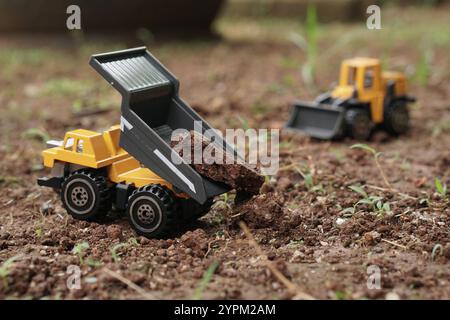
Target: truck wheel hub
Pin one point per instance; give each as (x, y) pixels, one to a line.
(146, 214)
(79, 196)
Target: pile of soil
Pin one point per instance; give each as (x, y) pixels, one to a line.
(240, 176)
(261, 211)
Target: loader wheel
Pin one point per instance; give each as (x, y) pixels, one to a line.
(85, 195)
(396, 118)
(151, 211)
(359, 125)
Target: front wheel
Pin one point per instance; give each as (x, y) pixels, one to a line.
(85, 195)
(151, 211)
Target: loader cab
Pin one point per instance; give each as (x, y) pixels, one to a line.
(361, 78)
(361, 73)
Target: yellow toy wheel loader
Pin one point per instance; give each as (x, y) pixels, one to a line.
(364, 99)
(131, 166)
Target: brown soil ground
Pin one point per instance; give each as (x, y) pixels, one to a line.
(303, 225)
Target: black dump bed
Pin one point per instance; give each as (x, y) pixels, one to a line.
(151, 110)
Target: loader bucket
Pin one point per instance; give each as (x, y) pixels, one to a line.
(321, 121)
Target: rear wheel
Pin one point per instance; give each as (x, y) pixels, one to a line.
(396, 118)
(151, 211)
(85, 195)
(359, 125)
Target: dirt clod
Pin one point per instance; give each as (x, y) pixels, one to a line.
(196, 241)
(284, 183)
(261, 211)
(215, 164)
(371, 238)
(114, 232)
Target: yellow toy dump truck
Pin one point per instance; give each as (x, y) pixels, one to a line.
(131, 166)
(365, 98)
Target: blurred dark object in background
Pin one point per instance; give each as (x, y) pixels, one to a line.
(327, 10)
(185, 16)
(170, 16)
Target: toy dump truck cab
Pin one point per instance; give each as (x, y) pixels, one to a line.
(92, 172)
(132, 165)
(86, 148)
(364, 98)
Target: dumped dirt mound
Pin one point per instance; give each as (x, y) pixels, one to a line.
(261, 211)
(216, 164)
(196, 240)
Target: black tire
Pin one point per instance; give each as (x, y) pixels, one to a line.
(396, 118)
(85, 195)
(191, 210)
(358, 123)
(151, 211)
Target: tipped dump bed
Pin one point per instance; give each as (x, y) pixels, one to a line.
(151, 111)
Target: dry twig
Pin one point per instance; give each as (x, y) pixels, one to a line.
(404, 195)
(394, 244)
(281, 278)
(146, 295)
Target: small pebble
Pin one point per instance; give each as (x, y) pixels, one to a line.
(161, 252)
(47, 208)
(90, 280)
(392, 296)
